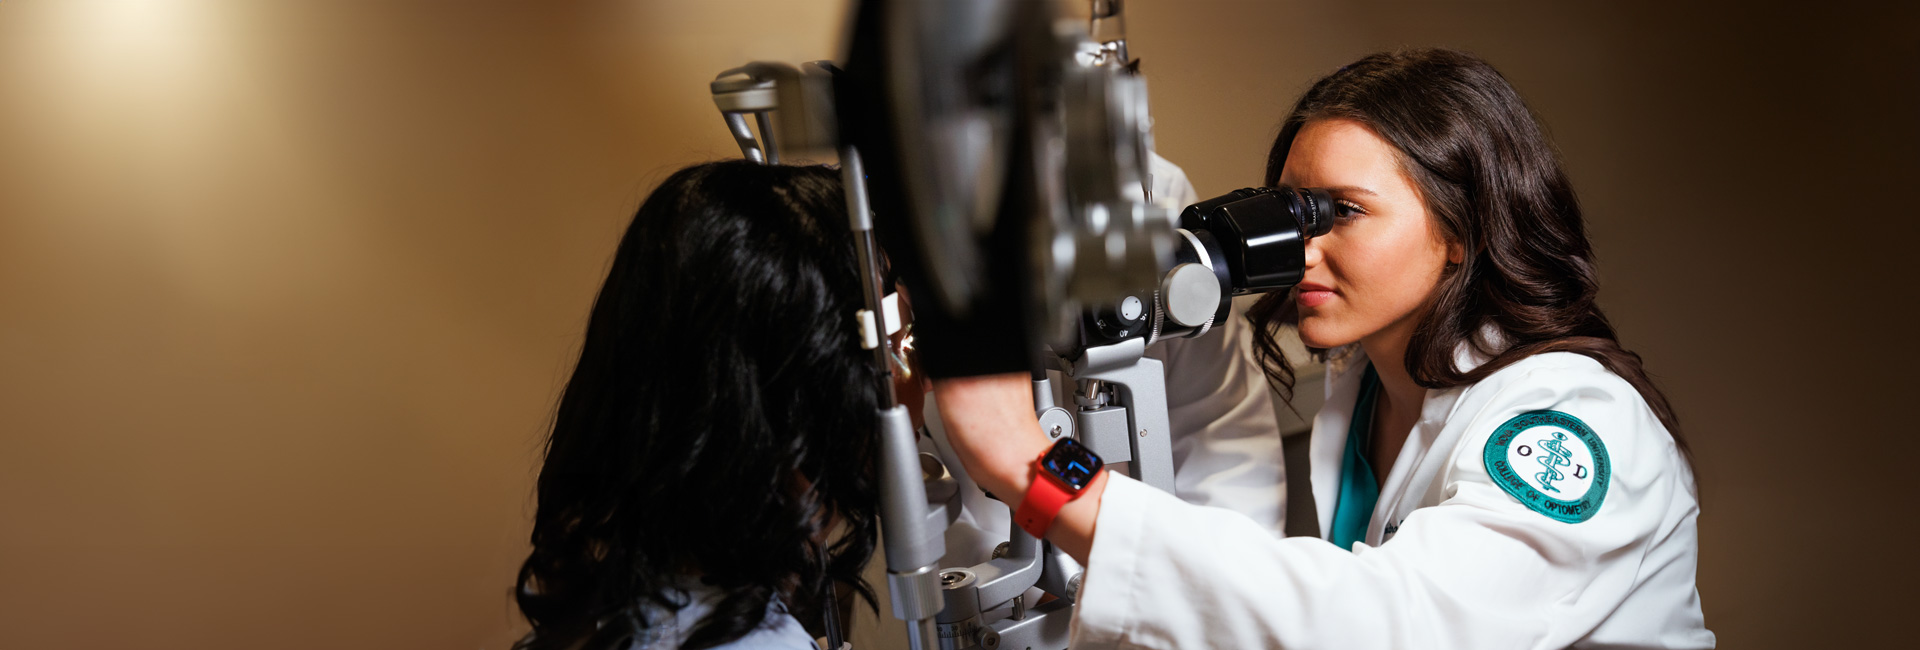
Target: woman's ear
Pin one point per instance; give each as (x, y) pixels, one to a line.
(1456, 253)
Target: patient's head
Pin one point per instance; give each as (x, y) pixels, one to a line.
(719, 420)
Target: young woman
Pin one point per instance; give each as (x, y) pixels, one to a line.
(1491, 468)
(709, 473)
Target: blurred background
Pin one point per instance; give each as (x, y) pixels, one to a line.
(288, 289)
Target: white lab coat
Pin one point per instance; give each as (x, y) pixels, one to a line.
(1450, 560)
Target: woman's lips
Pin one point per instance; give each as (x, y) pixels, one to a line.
(1313, 295)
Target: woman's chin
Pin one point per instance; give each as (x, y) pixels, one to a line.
(1316, 332)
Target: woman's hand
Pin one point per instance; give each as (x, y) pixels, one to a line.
(993, 429)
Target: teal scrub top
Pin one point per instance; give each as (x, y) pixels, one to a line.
(1358, 490)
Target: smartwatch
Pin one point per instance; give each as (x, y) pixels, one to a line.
(1062, 473)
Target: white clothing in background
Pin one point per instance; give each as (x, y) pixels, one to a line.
(780, 630)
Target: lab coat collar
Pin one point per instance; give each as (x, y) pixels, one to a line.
(1345, 368)
(1466, 358)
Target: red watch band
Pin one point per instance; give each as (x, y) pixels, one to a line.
(1045, 497)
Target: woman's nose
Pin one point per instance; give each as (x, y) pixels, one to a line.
(1314, 256)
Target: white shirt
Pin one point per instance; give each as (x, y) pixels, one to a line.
(1452, 557)
(668, 631)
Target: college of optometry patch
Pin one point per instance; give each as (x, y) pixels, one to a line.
(1552, 462)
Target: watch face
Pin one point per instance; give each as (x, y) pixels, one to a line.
(1072, 462)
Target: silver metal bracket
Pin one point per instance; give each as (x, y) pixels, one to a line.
(1140, 385)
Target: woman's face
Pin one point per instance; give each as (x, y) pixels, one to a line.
(1384, 256)
(910, 386)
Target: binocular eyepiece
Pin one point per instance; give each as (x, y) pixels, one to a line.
(1247, 241)
(1263, 233)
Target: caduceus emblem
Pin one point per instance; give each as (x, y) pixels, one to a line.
(1556, 457)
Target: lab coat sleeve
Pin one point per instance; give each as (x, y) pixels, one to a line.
(1476, 570)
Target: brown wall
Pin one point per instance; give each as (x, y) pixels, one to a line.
(287, 289)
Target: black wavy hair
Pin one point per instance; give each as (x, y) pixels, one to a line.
(718, 422)
(1494, 184)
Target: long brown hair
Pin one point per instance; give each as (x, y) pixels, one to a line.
(1493, 184)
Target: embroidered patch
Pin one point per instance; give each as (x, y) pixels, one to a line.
(1552, 462)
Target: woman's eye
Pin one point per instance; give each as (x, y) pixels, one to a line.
(1347, 209)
